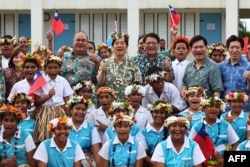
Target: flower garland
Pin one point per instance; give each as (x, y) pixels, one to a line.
(34, 57)
(102, 45)
(13, 41)
(12, 109)
(155, 76)
(63, 120)
(42, 48)
(75, 99)
(237, 95)
(105, 90)
(179, 39)
(158, 106)
(21, 96)
(52, 58)
(66, 48)
(173, 119)
(88, 84)
(194, 90)
(119, 117)
(135, 88)
(212, 101)
(123, 106)
(214, 47)
(119, 35)
(110, 111)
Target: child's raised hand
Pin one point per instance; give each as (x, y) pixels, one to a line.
(189, 117)
(101, 127)
(229, 118)
(52, 92)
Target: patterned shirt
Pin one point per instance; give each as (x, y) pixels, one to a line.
(2, 83)
(232, 76)
(75, 69)
(207, 76)
(120, 75)
(144, 63)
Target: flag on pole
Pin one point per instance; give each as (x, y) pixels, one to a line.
(174, 17)
(109, 40)
(245, 44)
(38, 82)
(57, 25)
(205, 142)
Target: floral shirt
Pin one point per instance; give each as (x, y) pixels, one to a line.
(120, 75)
(144, 63)
(75, 69)
(2, 83)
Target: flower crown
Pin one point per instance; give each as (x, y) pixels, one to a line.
(236, 96)
(34, 57)
(42, 48)
(13, 41)
(155, 76)
(135, 88)
(21, 96)
(66, 48)
(12, 109)
(63, 120)
(173, 119)
(212, 101)
(119, 117)
(75, 99)
(179, 38)
(119, 35)
(102, 45)
(123, 106)
(105, 90)
(88, 84)
(52, 58)
(214, 47)
(195, 90)
(159, 105)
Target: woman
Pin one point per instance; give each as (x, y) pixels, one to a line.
(123, 150)
(177, 149)
(217, 52)
(15, 143)
(118, 71)
(14, 72)
(220, 132)
(84, 133)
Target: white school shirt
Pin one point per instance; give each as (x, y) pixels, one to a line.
(5, 62)
(90, 115)
(179, 69)
(169, 93)
(143, 117)
(158, 155)
(21, 87)
(62, 89)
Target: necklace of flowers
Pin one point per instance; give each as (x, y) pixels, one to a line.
(110, 111)
(115, 74)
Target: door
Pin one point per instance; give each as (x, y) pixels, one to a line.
(210, 27)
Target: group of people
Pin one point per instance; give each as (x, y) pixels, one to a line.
(98, 106)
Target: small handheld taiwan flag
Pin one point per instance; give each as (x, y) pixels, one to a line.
(57, 25)
(174, 17)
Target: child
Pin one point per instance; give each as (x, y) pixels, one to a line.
(134, 94)
(15, 143)
(43, 52)
(123, 150)
(84, 133)
(155, 132)
(30, 64)
(103, 51)
(85, 89)
(51, 98)
(157, 89)
(104, 113)
(237, 117)
(23, 102)
(177, 149)
(193, 113)
(59, 150)
(126, 109)
(220, 131)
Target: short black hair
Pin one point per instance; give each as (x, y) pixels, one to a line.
(153, 69)
(233, 38)
(7, 36)
(197, 38)
(153, 35)
(140, 37)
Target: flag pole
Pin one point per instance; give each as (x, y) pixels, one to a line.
(171, 16)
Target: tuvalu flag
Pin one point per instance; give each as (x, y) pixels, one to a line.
(57, 25)
(174, 17)
(38, 82)
(205, 142)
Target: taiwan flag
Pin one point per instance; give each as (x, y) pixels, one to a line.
(174, 17)
(57, 25)
(205, 143)
(38, 82)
